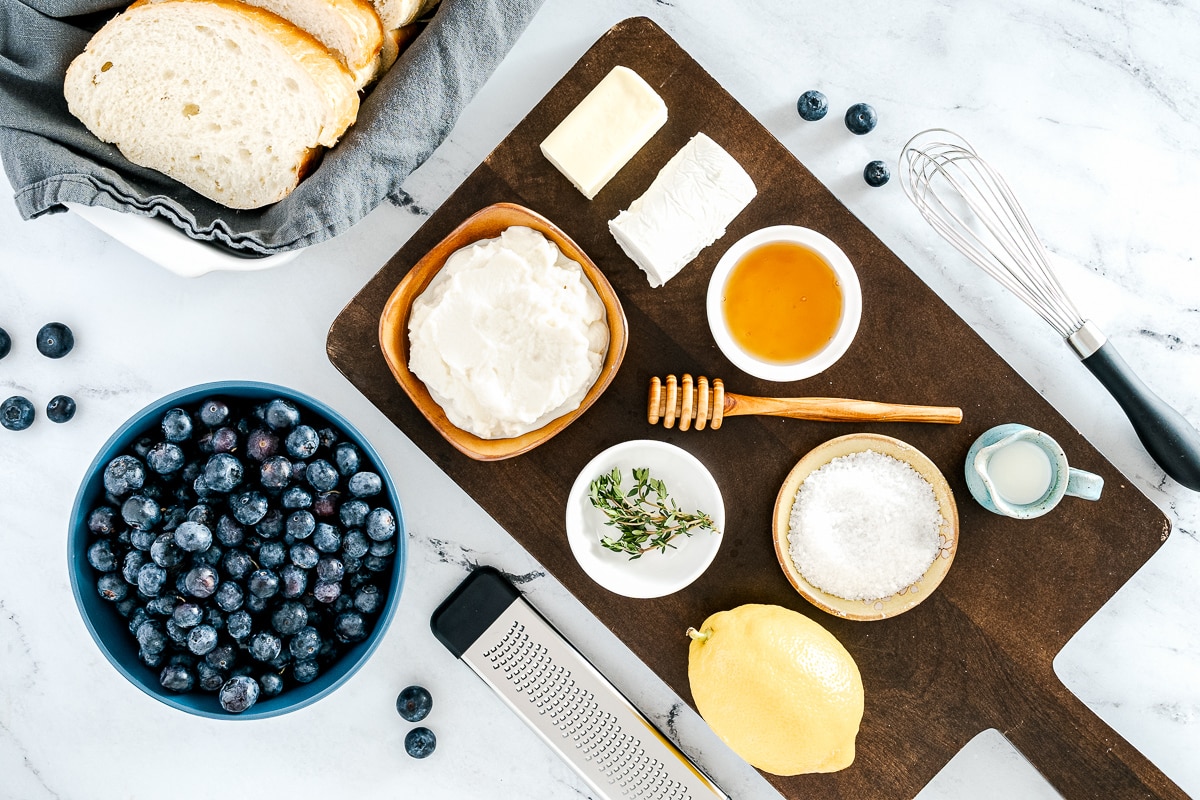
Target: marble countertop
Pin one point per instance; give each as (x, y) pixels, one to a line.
(1091, 110)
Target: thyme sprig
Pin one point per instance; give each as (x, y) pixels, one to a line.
(647, 516)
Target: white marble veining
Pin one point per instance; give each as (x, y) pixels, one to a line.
(1092, 112)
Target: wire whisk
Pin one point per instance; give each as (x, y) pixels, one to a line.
(966, 201)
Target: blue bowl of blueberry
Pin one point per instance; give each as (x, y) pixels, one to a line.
(237, 550)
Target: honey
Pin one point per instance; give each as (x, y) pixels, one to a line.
(782, 302)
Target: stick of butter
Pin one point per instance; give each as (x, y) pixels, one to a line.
(605, 130)
(699, 191)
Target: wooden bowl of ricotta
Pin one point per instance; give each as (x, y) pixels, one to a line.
(394, 339)
(878, 492)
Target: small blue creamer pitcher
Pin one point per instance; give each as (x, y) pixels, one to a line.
(1022, 472)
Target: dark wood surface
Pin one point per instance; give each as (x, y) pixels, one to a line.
(979, 652)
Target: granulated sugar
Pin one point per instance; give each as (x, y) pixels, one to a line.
(864, 526)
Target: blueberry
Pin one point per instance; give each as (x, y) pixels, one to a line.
(239, 625)
(202, 639)
(353, 513)
(876, 173)
(325, 505)
(213, 411)
(365, 484)
(150, 637)
(55, 340)
(347, 458)
(223, 440)
(194, 537)
(60, 408)
(305, 644)
(381, 549)
(228, 532)
(133, 562)
(141, 512)
(301, 524)
(248, 507)
(263, 583)
(222, 472)
(381, 524)
(290, 618)
(177, 678)
(293, 581)
(377, 563)
(123, 475)
(102, 521)
(229, 596)
(165, 552)
(368, 599)
(271, 525)
(187, 615)
(201, 581)
(165, 458)
(238, 694)
(329, 437)
(861, 119)
(265, 646)
(296, 498)
(237, 564)
(271, 684)
(302, 442)
(321, 475)
(420, 742)
(326, 538)
(414, 703)
(177, 425)
(281, 414)
(272, 554)
(5, 343)
(304, 555)
(275, 472)
(223, 656)
(349, 627)
(100, 555)
(209, 678)
(261, 444)
(150, 579)
(330, 569)
(306, 671)
(327, 591)
(812, 105)
(162, 606)
(16, 413)
(202, 513)
(355, 544)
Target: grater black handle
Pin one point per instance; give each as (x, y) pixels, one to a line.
(470, 609)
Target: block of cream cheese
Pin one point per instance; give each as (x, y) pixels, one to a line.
(605, 130)
(699, 191)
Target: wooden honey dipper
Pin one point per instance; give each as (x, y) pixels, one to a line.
(688, 401)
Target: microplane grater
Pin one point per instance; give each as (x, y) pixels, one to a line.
(586, 720)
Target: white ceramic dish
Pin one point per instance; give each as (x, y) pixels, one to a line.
(656, 573)
(847, 327)
(159, 241)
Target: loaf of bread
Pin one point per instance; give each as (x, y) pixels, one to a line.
(398, 13)
(349, 28)
(228, 99)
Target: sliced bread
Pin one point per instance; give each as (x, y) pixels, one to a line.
(226, 98)
(398, 13)
(349, 28)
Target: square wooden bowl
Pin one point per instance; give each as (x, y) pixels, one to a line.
(488, 223)
(909, 596)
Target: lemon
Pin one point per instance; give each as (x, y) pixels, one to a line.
(778, 688)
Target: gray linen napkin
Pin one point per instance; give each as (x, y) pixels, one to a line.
(51, 158)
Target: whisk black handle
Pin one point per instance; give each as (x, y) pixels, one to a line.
(1167, 436)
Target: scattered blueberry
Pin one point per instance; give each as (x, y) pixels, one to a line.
(414, 703)
(5, 343)
(876, 173)
(238, 694)
(420, 742)
(16, 413)
(861, 119)
(812, 105)
(55, 340)
(60, 408)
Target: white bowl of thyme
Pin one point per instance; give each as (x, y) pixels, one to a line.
(645, 518)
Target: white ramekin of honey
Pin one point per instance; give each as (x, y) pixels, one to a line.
(784, 303)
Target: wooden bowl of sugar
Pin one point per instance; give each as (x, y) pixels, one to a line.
(865, 526)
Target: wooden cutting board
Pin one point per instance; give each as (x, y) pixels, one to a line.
(979, 652)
